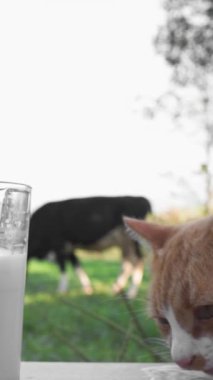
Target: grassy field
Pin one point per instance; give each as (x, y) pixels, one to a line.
(74, 327)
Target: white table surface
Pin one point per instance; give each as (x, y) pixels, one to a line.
(105, 371)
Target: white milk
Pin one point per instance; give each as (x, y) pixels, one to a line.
(12, 285)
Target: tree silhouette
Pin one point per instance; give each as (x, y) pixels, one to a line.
(186, 43)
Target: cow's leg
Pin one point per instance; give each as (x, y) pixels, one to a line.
(125, 244)
(84, 280)
(136, 279)
(132, 266)
(137, 272)
(123, 278)
(63, 284)
(83, 277)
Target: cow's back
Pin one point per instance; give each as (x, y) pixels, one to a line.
(82, 220)
(86, 220)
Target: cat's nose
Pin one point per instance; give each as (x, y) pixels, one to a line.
(196, 362)
(185, 362)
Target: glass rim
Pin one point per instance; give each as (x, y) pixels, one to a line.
(16, 185)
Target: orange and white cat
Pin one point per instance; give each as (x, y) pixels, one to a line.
(181, 296)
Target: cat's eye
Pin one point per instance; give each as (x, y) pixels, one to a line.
(203, 312)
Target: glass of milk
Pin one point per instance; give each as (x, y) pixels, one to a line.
(14, 227)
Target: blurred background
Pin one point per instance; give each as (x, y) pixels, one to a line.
(104, 98)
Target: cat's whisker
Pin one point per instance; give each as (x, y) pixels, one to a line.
(159, 341)
(159, 347)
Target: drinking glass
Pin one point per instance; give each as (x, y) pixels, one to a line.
(14, 228)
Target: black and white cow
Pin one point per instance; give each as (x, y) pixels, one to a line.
(93, 223)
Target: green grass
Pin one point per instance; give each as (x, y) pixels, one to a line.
(75, 327)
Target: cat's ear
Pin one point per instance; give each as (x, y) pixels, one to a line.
(156, 234)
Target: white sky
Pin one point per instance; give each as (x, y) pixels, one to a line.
(71, 72)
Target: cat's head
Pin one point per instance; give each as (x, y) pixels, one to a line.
(181, 295)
